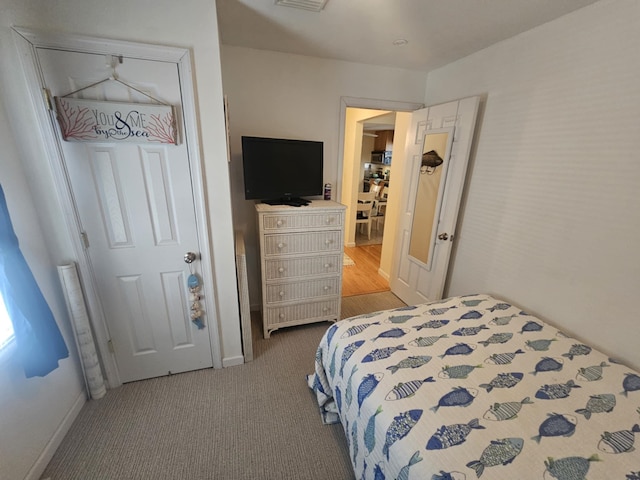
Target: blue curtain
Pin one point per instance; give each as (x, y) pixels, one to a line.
(40, 344)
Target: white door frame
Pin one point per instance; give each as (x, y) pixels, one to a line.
(27, 41)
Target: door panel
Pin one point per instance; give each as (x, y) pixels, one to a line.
(413, 281)
(135, 202)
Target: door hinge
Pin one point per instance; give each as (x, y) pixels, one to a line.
(110, 346)
(85, 239)
(47, 98)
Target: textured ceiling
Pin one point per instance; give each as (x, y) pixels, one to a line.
(438, 31)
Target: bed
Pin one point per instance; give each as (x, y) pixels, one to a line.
(473, 387)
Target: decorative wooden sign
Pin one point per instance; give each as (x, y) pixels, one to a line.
(96, 121)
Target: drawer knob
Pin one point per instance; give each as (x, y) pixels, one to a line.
(281, 315)
(279, 223)
(326, 265)
(326, 287)
(327, 241)
(281, 245)
(328, 220)
(281, 294)
(281, 269)
(325, 309)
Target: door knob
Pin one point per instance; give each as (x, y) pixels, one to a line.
(443, 236)
(189, 257)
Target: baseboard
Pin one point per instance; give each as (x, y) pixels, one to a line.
(54, 442)
(232, 361)
(350, 244)
(383, 274)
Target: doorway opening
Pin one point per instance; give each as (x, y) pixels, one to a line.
(370, 159)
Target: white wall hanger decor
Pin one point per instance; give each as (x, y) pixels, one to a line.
(97, 121)
(86, 120)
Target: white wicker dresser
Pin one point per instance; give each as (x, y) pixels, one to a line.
(301, 263)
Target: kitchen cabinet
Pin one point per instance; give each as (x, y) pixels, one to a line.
(384, 140)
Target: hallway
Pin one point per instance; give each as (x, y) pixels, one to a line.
(363, 277)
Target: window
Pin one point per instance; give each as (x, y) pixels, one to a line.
(6, 328)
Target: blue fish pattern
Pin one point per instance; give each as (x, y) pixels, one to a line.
(404, 471)
(497, 338)
(548, 364)
(459, 349)
(432, 324)
(499, 306)
(410, 362)
(503, 380)
(592, 373)
(503, 358)
(555, 391)
(405, 390)
(457, 371)
(347, 352)
(404, 309)
(331, 332)
(621, 441)
(393, 333)
(357, 329)
(439, 311)
(381, 353)
(400, 428)
(452, 435)
(367, 386)
(531, 326)
(603, 403)
(540, 392)
(472, 315)
(469, 331)
(499, 452)
(501, 321)
(631, 383)
(458, 397)
(577, 349)
(569, 468)
(399, 319)
(472, 303)
(505, 411)
(426, 341)
(348, 396)
(540, 345)
(370, 431)
(556, 425)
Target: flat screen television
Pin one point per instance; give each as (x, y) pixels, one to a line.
(282, 171)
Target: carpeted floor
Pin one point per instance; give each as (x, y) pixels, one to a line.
(254, 421)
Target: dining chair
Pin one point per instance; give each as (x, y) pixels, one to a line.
(364, 210)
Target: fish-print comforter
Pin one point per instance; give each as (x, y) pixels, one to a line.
(472, 387)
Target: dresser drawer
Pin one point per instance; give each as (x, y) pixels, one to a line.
(283, 268)
(307, 220)
(286, 292)
(299, 313)
(308, 242)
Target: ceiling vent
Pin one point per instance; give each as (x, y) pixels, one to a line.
(313, 5)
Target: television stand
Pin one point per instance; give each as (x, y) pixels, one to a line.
(291, 201)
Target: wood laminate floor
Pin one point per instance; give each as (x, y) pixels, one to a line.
(363, 277)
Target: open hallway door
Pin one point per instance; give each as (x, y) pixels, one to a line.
(436, 158)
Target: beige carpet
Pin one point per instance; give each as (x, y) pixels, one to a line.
(254, 421)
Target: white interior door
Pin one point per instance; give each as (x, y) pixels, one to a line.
(135, 203)
(414, 278)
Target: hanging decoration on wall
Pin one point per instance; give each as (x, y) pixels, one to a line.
(86, 120)
(193, 283)
(96, 121)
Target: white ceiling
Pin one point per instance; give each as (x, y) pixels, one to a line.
(438, 31)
